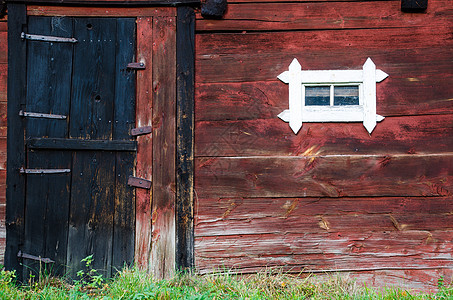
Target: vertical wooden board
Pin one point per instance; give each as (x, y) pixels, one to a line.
(164, 130)
(124, 210)
(49, 67)
(93, 82)
(185, 57)
(144, 166)
(124, 110)
(124, 216)
(46, 212)
(91, 211)
(15, 181)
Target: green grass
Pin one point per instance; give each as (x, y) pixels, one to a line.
(133, 284)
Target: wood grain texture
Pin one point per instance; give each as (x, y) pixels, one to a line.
(331, 176)
(395, 235)
(281, 216)
(110, 2)
(322, 15)
(34, 10)
(185, 57)
(3, 82)
(144, 162)
(162, 262)
(15, 182)
(91, 213)
(272, 137)
(3, 46)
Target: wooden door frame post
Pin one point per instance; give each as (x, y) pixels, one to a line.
(185, 66)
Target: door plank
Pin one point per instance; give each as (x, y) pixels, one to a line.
(46, 212)
(144, 167)
(124, 120)
(91, 212)
(164, 112)
(93, 78)
(124, 216)
(49, 67)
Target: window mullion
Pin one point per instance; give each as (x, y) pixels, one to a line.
(331, 95)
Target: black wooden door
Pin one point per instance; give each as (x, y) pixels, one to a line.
(79, 152)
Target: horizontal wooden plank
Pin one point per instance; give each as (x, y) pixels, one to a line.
(2, 186)
(330, 176)
(380, 245)
(322, 15)
(110, 2)
(301, 43)
(3, 81)
(273, 137)
(252, 216)
(281, 208)
(407, 95)
(2, 153)
(3, 24)
(79, 144)
(413, 250)
(3, 115)
(3, 47)
(320, 223)
(34, 10)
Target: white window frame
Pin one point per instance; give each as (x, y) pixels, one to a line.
(365, 112)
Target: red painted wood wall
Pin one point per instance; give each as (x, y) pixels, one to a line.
(332, 197)
(3, 81)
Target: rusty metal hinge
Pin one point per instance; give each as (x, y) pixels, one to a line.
(40, 115)
(46, 38)
(43, 171)
(45, 260)
(139, 182)
(141, 130)
(136, 66)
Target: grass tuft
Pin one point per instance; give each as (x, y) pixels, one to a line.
(133, 284)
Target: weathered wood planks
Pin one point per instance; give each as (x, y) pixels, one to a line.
(316, 15)
(34, 10)
(332, 176)
(265, 137)
(144, 165)
(185, 56)
(15, 182)
(162, 259)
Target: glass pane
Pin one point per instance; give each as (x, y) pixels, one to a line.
(317, 95)
(346, 95)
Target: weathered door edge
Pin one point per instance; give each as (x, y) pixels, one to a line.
(185, 65)
(15, 182)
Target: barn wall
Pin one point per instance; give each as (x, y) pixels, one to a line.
(332, 197)
(3, 71)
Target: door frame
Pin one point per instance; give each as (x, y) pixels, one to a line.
(164, 225)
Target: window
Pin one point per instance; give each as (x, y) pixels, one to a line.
(332, 95)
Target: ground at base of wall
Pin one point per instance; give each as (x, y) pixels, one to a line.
(133, 284)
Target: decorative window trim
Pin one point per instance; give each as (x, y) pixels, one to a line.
(365, 112)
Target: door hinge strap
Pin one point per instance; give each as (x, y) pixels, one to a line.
(139, 182)
(46, 38)
(136, 66)
(40, 115)
(43, 171)
(141, 130)
(45, 260)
